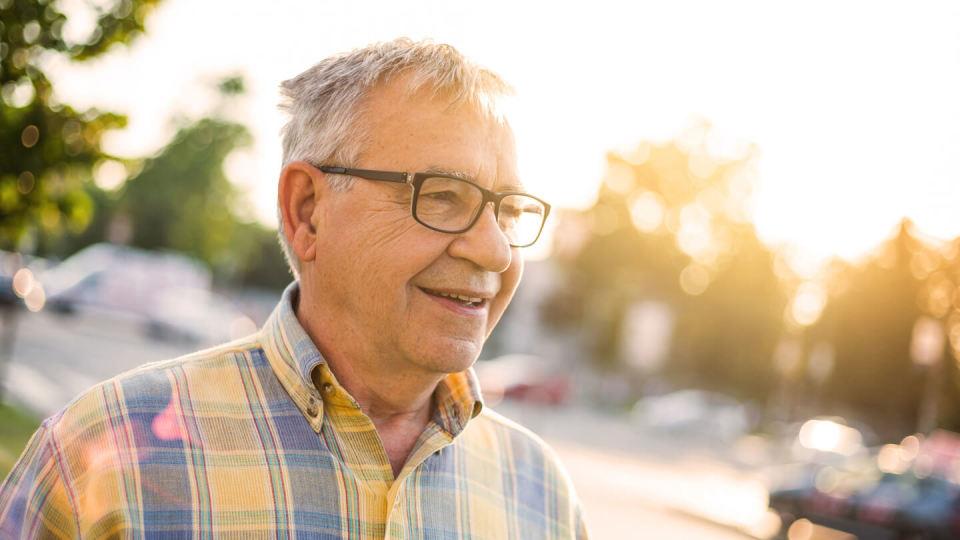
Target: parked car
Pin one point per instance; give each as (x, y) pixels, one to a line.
(872, 504)
(196, 316)
(119, 279)
(7, 296)
(523, 377)
(695, 413)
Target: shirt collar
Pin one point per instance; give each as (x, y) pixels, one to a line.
(295, 359)
(303, 353)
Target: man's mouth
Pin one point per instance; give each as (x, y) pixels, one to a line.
(462, 299)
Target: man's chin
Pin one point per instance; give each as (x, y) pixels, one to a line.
(452, 355)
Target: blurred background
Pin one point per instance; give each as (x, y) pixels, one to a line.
(743, 321)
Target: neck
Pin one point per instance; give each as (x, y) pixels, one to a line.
(398, 402)
(399, 407)
(384, 395)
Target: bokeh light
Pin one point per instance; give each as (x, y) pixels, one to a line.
(109, 174)
(830, 436)
(695, 235)
(647, 211)
(23, 282)
(808, 303)
(694, 279)
(926, 345)
(36, 299)
(891, 459)
(801, 529)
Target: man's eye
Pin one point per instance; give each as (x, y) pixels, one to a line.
(521, 210)
(442, 196)
(513, 212)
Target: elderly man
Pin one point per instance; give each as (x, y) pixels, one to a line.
(354, 412)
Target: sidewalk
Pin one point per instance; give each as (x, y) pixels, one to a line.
(614, 462)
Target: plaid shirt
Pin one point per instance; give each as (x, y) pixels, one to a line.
(256, 439)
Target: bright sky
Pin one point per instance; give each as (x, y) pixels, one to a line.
(853, 104)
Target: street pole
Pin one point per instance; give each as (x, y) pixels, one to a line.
(8, 326)
(926, 350)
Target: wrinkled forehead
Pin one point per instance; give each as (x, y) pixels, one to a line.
(429, 129)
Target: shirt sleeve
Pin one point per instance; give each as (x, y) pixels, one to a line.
(35, 500)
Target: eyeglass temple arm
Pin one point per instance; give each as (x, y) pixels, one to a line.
(385, 176)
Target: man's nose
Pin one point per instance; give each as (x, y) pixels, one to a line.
(484, 244)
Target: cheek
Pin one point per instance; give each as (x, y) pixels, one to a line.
(387, 270)
(371, 247)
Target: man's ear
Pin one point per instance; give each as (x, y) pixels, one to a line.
(301, 189)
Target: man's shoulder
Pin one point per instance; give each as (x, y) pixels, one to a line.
(490, 425)
(494, 420)
(152, 388)
(211, 358)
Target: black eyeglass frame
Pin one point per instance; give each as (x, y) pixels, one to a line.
(416, 180)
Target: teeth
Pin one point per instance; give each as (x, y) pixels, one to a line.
(465, 299)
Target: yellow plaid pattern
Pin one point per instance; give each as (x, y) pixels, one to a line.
(256, 439)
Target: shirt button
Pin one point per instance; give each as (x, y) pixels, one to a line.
(327, 388)
(313, 408)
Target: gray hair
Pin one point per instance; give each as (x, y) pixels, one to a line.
(323, 102)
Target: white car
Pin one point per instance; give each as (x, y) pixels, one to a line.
(197, 316)
(120, 279)
(694, 413)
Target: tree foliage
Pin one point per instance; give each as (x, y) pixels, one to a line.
(869, 321)
(670, 224)
(51, 148)
(180, 199)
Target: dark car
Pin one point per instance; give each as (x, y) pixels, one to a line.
(7, 296)
(875, 506)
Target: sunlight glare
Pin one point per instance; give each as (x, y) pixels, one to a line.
(109, 174)
(694, 279)
(840, 163)
(646, 211)
(808, 303)
(619, 178)
(695, 235)
(830, 436)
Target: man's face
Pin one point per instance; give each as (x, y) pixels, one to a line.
(381, 277)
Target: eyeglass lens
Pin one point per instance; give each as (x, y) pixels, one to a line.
(451, 205)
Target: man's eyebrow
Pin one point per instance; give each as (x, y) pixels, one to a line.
(451, 172)
(514, 186)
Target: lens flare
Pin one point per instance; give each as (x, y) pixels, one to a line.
(23, 282)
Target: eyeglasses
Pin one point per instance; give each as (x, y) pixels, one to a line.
(453, 205)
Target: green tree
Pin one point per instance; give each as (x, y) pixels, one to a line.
(181, 200)
(870, 320)
(671, 224)
(51, 148)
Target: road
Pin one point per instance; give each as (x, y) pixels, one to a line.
(633, 485)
